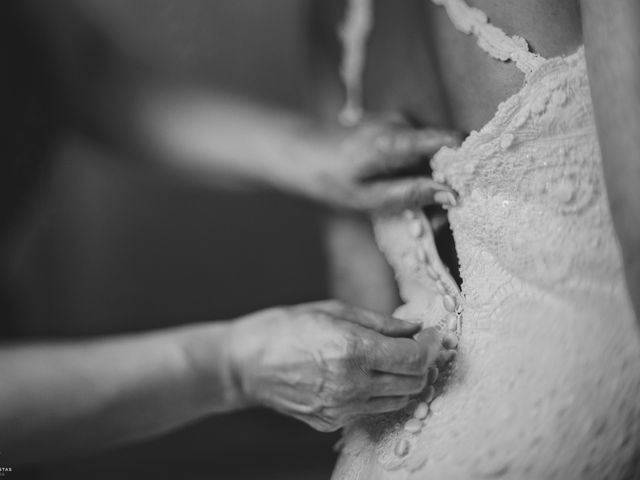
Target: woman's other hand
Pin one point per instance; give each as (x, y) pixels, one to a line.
(326, 363)
(380, 165)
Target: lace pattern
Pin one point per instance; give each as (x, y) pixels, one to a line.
(354, 34)
(531, 183)
(491, 39)
(543, 294)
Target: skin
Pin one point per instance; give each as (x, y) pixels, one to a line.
(323, 363)
(420, 65)
(474, 85)
(212, 134)
(553, 28)
(398, 78)
(188, 373)
(612, 43)
(330, 378)
(347, 169)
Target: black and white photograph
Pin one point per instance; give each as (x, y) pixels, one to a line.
(320, 240)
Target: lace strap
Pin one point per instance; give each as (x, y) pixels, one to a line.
(491, 39)
(354, 34)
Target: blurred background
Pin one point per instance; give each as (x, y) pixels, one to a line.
(109, 245)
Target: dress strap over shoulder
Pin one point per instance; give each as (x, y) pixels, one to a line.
(491, 39)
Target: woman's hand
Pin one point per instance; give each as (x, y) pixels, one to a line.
(380, 165)
(215, 137)
(326, 364)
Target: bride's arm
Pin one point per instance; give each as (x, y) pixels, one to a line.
(612, 42)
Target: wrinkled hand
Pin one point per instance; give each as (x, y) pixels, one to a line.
(326, 363)
(377, 166)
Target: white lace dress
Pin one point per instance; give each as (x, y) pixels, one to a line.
(546, 383)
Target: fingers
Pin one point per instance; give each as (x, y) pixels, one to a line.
(388, 326)
(384, 405)
(383, 324)
(430, 340)
(397, 147)
(387, 384)
(404, 149)
(405, 142)
(373, 406)
(404, 193)
(402, 356)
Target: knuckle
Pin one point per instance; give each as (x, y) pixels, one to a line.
(416, 358)
(369, 344)
(352, 343)
(354, 387)
(355, 357)
(328, 420)
(343, 393)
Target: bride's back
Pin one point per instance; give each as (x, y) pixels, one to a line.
(419, 63)
(547, 379)
(474, 83)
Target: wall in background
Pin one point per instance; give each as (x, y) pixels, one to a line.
(124, 248)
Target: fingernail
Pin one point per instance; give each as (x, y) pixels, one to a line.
(445, 198)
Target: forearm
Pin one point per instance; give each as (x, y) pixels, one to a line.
(211, 134)
(64, 398)
(201, 132)
(612, 41)
(149, 112)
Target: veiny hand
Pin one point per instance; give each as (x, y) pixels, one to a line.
(380, 165)
(326, 363)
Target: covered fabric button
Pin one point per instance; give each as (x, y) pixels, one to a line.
(507, 140)
(413, 425)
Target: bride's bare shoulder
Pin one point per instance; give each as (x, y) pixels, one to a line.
(419, 64)
(552, 27)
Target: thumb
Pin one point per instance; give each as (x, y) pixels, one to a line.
(383, 324)
(430, 340)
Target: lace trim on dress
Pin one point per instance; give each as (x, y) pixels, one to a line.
(355, 31)
(354, 34)
(491, 39)
(539, 262)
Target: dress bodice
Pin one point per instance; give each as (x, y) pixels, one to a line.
(548, 373)
(532, 192)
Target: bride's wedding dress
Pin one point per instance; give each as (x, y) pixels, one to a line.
(546, 383)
